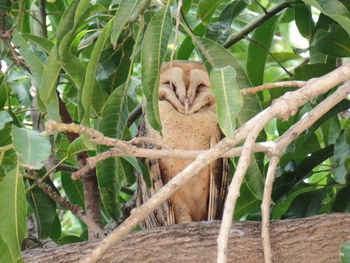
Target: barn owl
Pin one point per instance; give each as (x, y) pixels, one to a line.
(188, 118)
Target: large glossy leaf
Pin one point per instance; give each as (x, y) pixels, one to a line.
(73, 189)
(342, 157)
(256, 54)
(47, 89)
(342, 200)
(5, 253)
(216, 56)
(307, 204)
(206, 9)
(336, 42)
(229, 99)
(247, 203)
(335, 10)
(32, 61)
(13, 227)
(220, 30)
(294, 173)
(282, 207)
(77, 146)
(113, 123)
(125, 10)
(32, 147)
(44, 43)
(44, 209)
(187, 46)
(66, 22)
(3, 90)
(114, 65)
(89, 81)
(309, 71)
(154, 47)
(5, 117)
(70, 62)
(303, 20)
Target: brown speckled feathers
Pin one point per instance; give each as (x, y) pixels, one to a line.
(188, 118)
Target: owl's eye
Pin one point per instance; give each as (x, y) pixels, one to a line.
(170, 84)
(201, 87)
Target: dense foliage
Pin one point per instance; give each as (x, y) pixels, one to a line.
(91, 62)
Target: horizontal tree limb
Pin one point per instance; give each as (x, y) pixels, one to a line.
(313, 240)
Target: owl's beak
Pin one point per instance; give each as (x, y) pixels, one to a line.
(187, 105)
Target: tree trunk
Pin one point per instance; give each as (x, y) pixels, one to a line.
(310, 240)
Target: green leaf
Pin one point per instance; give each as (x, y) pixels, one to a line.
(216, 56)
(32, 61)
(32, 147)
(154, 47)
(345, 253)
(187, 46)
(13, 227)
(308, 71)
(73, 189)
(89, 81)
(229, 99)
(113, 123)
(44, 43)
(114, 65)
(306, 204)
(257, 55)
(220, 29)
(47, 89)
(125, 10)
(67, 22)
(342, 200)
(303, 20)
(282, 207)
(44, 209)
(336, 42)
(5, 253)
(342, 157)
(5, 117)
(247, 203)
(77, 146)
(206, 9)
(335, 10)
(3, 90)
(70, 62)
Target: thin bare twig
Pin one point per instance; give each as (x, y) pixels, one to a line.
(252, 40)
(254, 24)
(285, 84)
(265, 208)
(76, 210)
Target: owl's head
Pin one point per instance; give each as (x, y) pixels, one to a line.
(185, 85)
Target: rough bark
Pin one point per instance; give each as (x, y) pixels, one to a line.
(311, 240)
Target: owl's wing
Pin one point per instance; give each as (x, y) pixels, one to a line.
(219, 171)
(163, 215)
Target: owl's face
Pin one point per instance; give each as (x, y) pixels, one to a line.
(185, 85)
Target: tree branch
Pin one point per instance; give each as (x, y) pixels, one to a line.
(254, 24)
(285, 84)
(312, 240)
